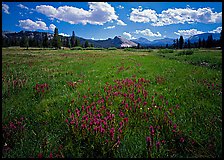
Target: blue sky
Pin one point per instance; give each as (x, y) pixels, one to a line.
(102, 20)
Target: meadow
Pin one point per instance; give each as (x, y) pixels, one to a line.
(111, 103)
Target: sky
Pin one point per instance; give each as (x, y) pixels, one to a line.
(103, 20)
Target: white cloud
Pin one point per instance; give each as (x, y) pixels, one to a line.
(64, 34)
(98, 13)
(120, 7)
(217, 30)
(188, 33)
(109, 27)
(121, 23)
(22, 6)
(139, 15)
(148, 32)
(128, 35)
(5, 8)
(31, 25)
(176, 16)
(52, 27)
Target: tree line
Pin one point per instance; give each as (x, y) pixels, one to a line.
(201, 43)
(44, 41)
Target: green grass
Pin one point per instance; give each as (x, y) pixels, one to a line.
(183, 80)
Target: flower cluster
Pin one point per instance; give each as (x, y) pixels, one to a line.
(12, 132)
(41, 88)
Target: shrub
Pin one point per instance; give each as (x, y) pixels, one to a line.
(185, 52)
(164, 51)
(77, 48)
(112, 48)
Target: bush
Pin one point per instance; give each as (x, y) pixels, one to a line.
(77, 48)
(164, 51)
(112, 48)
(185, 52)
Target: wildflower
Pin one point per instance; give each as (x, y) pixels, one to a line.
(158, 145)
(120, 130)
(69, 110)
(174, 126)
(72, 122)
(51, 155)
(148, 141)
(126, 119)
(163, 141)
(121, 114)
(40, 155)
(182, 140)
(152, 130)
(66, 120)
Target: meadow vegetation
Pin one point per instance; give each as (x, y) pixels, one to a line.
(111, 103)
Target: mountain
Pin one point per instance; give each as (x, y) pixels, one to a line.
(195, 38)
(118, 41)
(161, 42)
(142, 41)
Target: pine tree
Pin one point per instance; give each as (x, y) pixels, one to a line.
(199, 43)
(73, 39)
(56, 39)
(86, 44)
(181, 42)
(45, 41)
(77, 42)
(177, 43)
(188, 44)
(138, 47)
(203, 43)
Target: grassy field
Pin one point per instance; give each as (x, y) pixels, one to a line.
(111, 103)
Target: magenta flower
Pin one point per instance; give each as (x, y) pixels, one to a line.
(126, 119)
(158, 145)
(51, 155)
(40, 155)
(121, 114)
(182, 140)
(152, 130)
(174, 126)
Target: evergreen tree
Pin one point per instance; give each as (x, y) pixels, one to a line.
(188, 44)
(56, 39)
(174, 43)
(77, 42)
(177, 43)
(73, 39)
(181, 42)
(86, 44)
(138, 46)
(203, 43)
(24, 42)
(91, 45)
(199, 43)
(166, 45)
(45, 41)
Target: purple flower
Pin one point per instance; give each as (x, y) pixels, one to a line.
(182, 140)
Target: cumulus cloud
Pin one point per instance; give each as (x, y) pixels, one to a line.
(217, 30)
(109, 27)
(147, 15)
(127, 34)
(98, 13)
(176, 16)
(121, 23)
(148, 32)
(31, 25)
(120, 7)
(5, 8)
(64, 34)
(188, 33)
(22, 6)
(52, 27)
